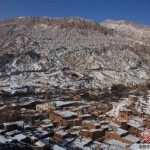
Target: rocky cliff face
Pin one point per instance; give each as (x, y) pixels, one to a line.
(35, 50)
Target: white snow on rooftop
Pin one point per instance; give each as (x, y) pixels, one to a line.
(92, 122)
(131, 138)
(57, 103)
(134, 124)
(80, 142)
(85, 115)
(19, 137)
(91, 130)
(60, 132)
(20, 123)
(116, 142)
(120, 131)
(42, 142)
(56, 147)
(65, 113)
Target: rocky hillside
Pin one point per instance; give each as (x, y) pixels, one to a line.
(35, 51)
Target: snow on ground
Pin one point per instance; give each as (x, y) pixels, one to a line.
(118, 106)
(143, 105)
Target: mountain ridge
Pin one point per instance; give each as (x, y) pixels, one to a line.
(111, 52)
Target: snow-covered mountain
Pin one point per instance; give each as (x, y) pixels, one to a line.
(35, 50)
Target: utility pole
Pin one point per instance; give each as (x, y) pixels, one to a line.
(48, 98)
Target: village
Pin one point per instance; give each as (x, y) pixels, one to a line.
(61, 123)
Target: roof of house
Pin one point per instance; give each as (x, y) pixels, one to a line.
(94, 122)
(120, 120)
(65, 113)
(133, 124)
(79, 142)
(40, 132)
(56, 147)
(116, 142)
(19, 137)
(47, 125)
(120, 131)
(131, 138)
(134, 146)
(105, 126)
(99, 144)
(138, 119)
(60, 132)
(91, 130)
(42, 142)
(85, 115)
(58, 103)
(19, 123)
(13, 132)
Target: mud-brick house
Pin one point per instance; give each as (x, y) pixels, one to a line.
(61, 135)
(125, 114)
(12, 133)
(65, 118)
(135, 127)
(33, 139)
(143, 115)
(92, 134)
(121, 123)
(121, 135)
(90, 124)
(9, 126)
(40, 133)
(20, 137)
(147, 123)
(116, 133)
(129, 139)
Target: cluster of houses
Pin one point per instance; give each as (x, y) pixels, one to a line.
(78, 125)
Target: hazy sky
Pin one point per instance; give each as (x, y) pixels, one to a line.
(99, 10)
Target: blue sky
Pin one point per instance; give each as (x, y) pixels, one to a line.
(99, 10)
